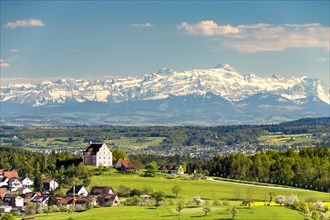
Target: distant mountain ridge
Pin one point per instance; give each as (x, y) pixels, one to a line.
(213, 96)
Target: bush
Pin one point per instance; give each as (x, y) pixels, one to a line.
(225, 202)
(216, 202)
(132, 201)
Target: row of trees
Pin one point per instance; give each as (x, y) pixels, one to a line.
(307, 168)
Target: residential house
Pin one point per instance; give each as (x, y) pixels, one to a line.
(5, 208)
(23, 190)
(42, 199)
(98, 154)
(14, 183)
(50, 184)
(123, 165)
(107, 193)
(29, 196)
(79, 190)
(13, 200)
(101, 190)
(65, 200)
(27, 182)
(172, 169)
(177, 170)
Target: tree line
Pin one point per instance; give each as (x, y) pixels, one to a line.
(307, 168)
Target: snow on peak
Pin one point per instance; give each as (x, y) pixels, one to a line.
(223, 81)
(225, 67)
(165, 71)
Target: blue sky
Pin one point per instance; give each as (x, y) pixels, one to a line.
(97, 39)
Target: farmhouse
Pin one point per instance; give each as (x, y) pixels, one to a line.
(98, 154)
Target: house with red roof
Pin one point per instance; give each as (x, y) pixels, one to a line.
(123, 165)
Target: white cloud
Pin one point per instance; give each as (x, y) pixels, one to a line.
(261, 37)
(323, 59)
(4, 63)
(25, 23)
(13, 50)
(207, 28)
(145, 25)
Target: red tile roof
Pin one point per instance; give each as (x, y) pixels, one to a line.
(125, 162)
(10, 174)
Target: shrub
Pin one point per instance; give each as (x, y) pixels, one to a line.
(216, 202)
(225, 203)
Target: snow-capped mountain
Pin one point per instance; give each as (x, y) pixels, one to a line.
(223, 80)
(202, 96)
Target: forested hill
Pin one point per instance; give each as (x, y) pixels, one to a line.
(308, 121)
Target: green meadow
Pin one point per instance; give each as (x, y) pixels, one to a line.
(228, 192)
(169, 212)
(206, 189)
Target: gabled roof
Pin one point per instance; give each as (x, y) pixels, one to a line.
(64, 200)
(94, 148)
(125, 162)
(8, 195)
(10, 174)
(40, 198)
(100, 190)
(47, 180)
(77, 189)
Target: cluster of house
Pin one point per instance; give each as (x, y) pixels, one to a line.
(16, 193)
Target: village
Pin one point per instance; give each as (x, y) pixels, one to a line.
(17, 194)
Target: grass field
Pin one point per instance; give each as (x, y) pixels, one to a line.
(169, 212)
(204, 188)
(282, 139)
(137, 143)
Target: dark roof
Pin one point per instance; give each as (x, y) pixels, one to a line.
(94, 148)
(98, 190)
(77, 189)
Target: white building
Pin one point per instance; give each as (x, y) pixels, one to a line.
(98, 154)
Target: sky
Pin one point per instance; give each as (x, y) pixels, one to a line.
(106, 39)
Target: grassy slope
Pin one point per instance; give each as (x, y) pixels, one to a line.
(203, 188)
(190, 188)
(168, 212)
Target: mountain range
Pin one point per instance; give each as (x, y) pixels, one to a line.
(217, 96)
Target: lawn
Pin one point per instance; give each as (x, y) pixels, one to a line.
(204, 188)
(169, 212)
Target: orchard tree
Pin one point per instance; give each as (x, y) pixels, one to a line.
(179, 206)
(176, 189)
